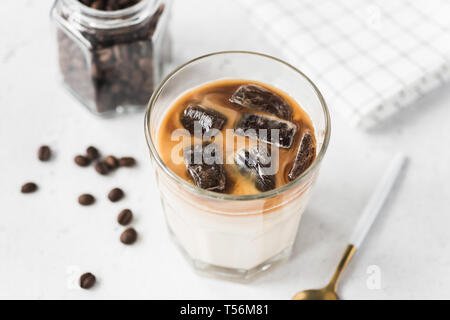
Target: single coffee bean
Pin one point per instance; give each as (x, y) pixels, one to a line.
(82, 161)
(115, 195)
(87, 280)
(102, 168)
(127, 162)
(92, 153)
(44, 153)
(86, 199)
(111, 162)
(129, 236)
(29, 187)
(125, 217)
(97, 4)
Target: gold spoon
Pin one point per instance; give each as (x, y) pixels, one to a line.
(365, 222)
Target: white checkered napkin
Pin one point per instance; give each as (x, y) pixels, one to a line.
(369, 58)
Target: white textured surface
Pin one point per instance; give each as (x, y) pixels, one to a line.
(44, 236)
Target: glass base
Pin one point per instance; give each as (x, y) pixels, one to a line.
(243, 275)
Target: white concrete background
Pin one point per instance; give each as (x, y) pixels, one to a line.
(46, 239)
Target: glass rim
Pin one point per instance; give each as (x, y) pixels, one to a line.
(105, 20)
(109, 14)
(221, 196)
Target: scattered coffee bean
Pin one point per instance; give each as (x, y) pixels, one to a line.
(92, 153)
(82, 161)
(115, 195)
(44, 153)
(129, 236)
(111, 162)
(127, 162)
(125, 217)
(87, 281)
(29, 187)
(102, 168)
(86, 199)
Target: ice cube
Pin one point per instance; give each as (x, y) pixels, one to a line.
(305, 156)
(255, 163)
(252, 126)
(205, 118)
(259, 98)
(205, 166)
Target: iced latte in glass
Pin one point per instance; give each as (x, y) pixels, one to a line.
(236, 139)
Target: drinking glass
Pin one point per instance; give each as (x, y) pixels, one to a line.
(235, 236)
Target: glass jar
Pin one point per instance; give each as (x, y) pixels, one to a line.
(235, 236)
(111, 60)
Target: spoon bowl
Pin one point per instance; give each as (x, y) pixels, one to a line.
(317, 294)
(329, 292)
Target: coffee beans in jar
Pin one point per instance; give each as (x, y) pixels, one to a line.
(111, 51)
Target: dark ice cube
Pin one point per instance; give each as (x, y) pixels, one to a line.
(207, 119)
(205, 166)
(305, 156)
(256, 164)
(261, 99)
(252, 126)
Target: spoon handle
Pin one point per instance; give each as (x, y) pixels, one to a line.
(377, 200)
(346, 257)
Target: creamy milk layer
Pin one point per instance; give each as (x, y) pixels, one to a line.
(223, 234)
